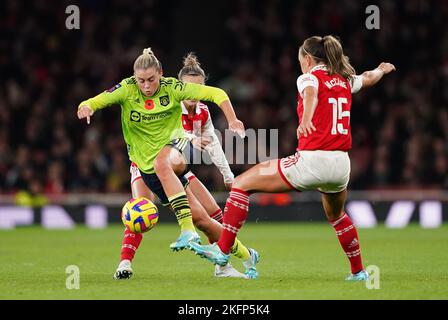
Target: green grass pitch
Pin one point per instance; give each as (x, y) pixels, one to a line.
(298, 261)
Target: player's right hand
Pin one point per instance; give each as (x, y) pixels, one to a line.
(305, 129)
(386, 67)
(85, 112)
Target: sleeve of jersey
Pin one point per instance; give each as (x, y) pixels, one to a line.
(193, 91)
(214, 149)
(115, 95)
(356, 83)
(307, 80)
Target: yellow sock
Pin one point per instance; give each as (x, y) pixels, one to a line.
(239, 250)
(179, 203)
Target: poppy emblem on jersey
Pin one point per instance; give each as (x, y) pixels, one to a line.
(149, 104)
(115, 87)
(164, 101)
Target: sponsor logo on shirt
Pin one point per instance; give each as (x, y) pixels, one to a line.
(135, 116)
(141, 117)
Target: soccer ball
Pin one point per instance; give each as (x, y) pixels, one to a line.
(139, 215)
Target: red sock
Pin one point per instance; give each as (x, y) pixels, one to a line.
(348, 238)
(237, 208)
(217, 215)
(130, 244)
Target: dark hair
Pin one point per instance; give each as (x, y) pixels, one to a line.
(328, 50)
(191, 67)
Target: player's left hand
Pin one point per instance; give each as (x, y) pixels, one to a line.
(238, 127)
(228, 185)
(386, 67)
(305, 128)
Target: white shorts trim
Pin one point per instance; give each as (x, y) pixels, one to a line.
(326, 171)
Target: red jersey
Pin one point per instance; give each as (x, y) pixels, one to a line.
(195, 123)
(331, 117)
(200, 124)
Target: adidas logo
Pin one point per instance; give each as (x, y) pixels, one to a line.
(354, 243)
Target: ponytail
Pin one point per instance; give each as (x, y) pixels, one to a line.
(328, 50)
(191, 67)
(337, 62)
(147, 60)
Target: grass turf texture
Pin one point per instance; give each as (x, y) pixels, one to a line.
(298, 261)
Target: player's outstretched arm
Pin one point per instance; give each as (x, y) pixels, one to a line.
(115, 95)
(235, 125)
(371, 77)
(194, 91)
(85, 111)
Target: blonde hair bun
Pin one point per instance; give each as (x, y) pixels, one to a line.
(191, 60)
(147, 60)
(148, 51)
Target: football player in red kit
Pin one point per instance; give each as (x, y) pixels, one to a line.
(321, 161)
(198, 126)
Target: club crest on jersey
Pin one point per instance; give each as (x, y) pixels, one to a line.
(164, 101)
(115, 87)
(149, 104)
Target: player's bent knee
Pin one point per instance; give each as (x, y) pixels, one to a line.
(161, 166)
(239, 183)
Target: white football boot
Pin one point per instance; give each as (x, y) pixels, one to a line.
(228, 271)
(124, 270)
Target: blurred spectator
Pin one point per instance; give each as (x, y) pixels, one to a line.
(33, 196)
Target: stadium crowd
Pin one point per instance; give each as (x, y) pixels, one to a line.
(399, 128)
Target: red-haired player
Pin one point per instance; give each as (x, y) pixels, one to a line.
(321, 161)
